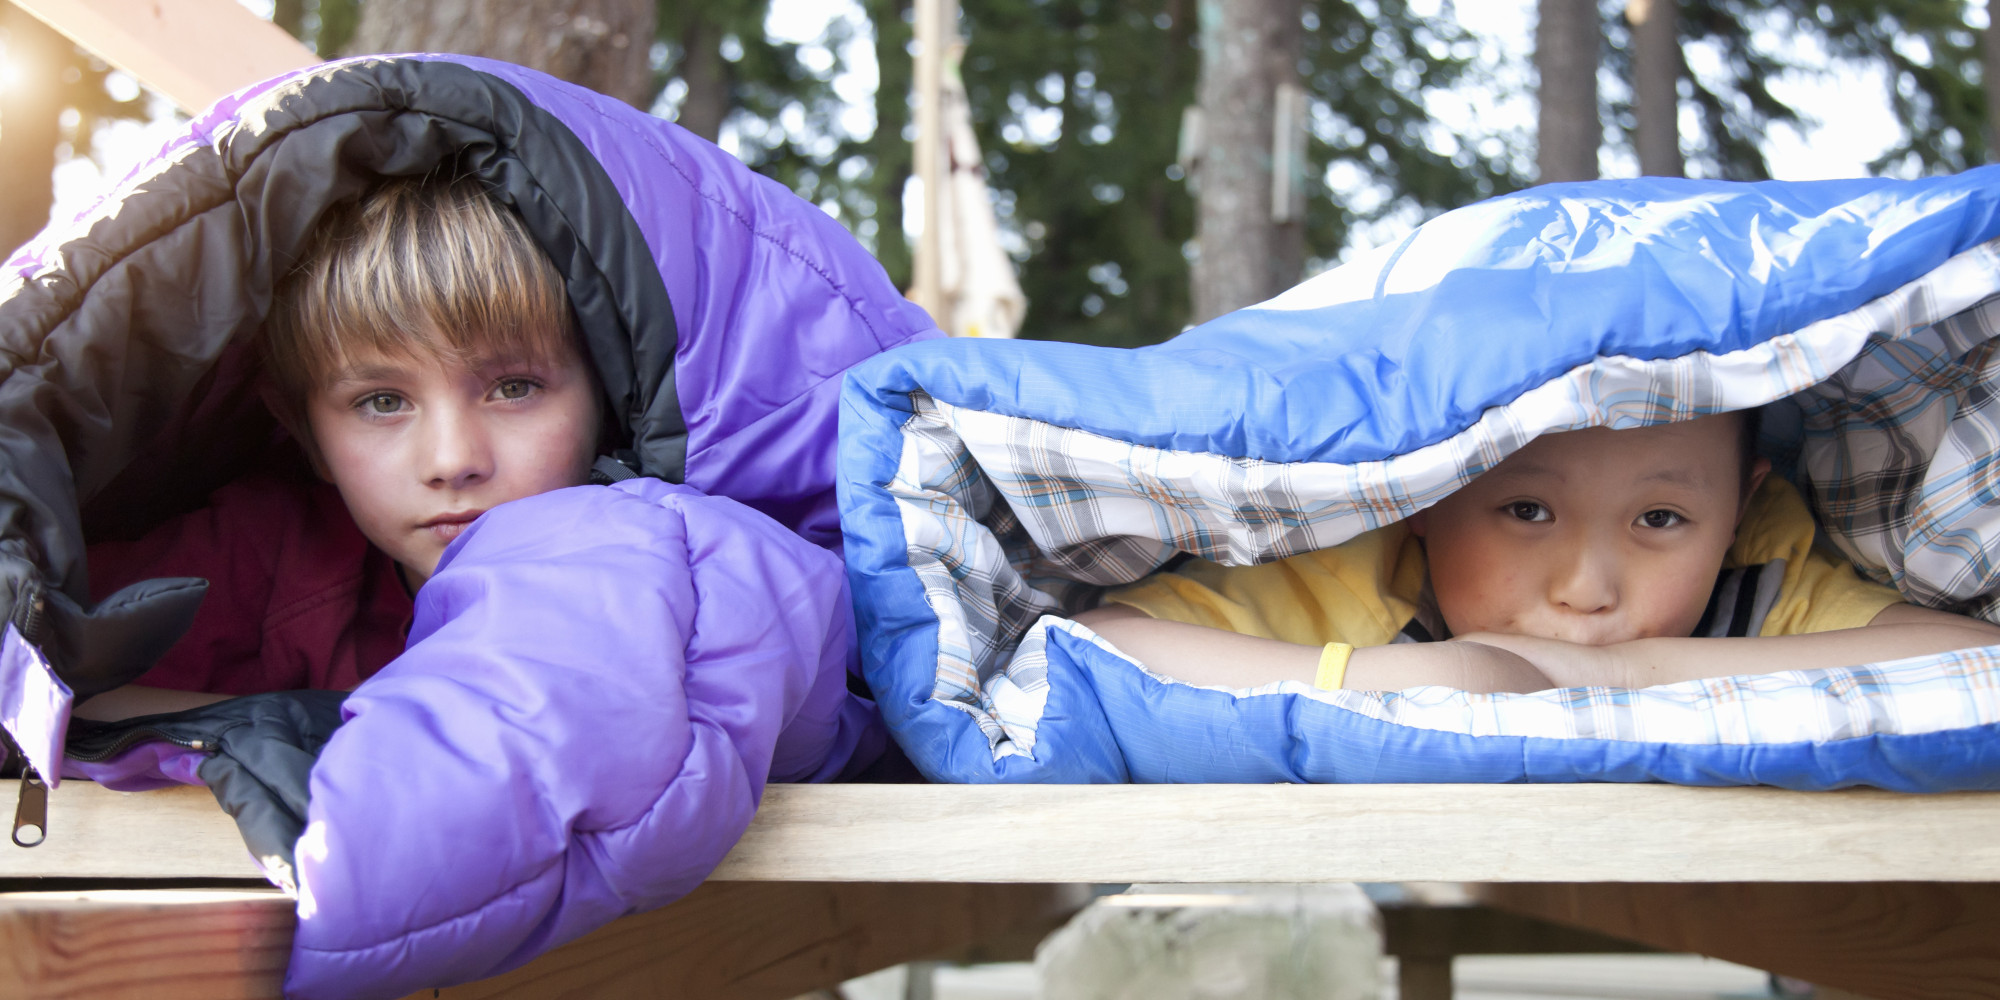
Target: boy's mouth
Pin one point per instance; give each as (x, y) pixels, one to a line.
(446, 527)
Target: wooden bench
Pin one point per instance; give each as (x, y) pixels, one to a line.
(1886, 895)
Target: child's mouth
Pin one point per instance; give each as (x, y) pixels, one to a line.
(446, 527)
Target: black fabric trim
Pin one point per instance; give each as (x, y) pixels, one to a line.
(1746, 601)
(1707, 623)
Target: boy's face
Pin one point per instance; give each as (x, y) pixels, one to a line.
(419, 448)
(1593, 536)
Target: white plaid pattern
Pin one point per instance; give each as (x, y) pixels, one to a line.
(1008, 518)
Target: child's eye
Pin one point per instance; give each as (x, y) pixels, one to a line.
(382, 403)
(1661, 519)
(514, 388)
(1528, 510)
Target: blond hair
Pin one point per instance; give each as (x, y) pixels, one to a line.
(418, 267)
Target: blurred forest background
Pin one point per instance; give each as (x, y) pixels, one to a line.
(1100, 174)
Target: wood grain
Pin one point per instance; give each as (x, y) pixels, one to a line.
(1200, 833)
(1884, 940)
(98, 833)
(1364, 833)
(158, 944)
(189, 51)
(738, 941)
(729, 941)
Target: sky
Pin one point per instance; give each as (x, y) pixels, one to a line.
(1847, 105)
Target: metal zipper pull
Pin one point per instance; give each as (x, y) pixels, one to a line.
(31, 814)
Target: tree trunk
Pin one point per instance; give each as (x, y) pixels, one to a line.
(1248, 49)
(29, 107)
(889, 146)
(706, 76)
(1567, 39)
(1656, 72)
(291, 16)
(1989, 59)
(601, 44)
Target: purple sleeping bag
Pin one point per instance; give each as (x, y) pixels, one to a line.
(598, 682)
(601, 679)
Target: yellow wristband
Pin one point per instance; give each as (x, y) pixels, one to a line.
(1332, 666)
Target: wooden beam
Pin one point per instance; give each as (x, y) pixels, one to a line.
(724, 941)
(737, 941)
(1197, 833)
(1882, 940)
(1443, 932)
(101, 834)
(165, 944)
(1364, 833)
(189, 51)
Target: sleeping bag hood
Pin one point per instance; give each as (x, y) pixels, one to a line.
(716, 306)
(992, 489)
(648, 653)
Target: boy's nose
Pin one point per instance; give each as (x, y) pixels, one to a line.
(1587, 583)
(459, 456)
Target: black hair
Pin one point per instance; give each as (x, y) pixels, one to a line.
(1749, 425)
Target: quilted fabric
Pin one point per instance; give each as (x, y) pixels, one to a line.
(990, 488)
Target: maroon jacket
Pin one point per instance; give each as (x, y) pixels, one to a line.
(297, 597)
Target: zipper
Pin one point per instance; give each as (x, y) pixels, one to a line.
(31, 813)
(131, 738)
(31, 809)
(29, 612)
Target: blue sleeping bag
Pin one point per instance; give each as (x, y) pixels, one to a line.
(988, 489)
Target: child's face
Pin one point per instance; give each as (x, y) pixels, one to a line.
(419, 448)
(1593, 536)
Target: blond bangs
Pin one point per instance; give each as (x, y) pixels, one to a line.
(417, 268)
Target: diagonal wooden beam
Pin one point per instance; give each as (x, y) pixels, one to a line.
(189, 51)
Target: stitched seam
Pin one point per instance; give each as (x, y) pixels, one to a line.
(673, 163)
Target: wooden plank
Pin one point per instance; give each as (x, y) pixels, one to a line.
(730, 941)
(165, 944)
(98, 833)
(189, 51)
(745, 941)
(1200, 833)
(1365, 833)
(1883, 940)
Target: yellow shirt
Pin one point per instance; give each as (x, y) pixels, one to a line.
(1364, 591)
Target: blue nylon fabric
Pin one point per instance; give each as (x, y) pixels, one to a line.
(1365, 363)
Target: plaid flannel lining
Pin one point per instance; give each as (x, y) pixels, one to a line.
(1008, 519)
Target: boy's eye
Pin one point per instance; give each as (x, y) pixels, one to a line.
(514, 388)
(383, 402)
(1528, 510)
(1661, 519)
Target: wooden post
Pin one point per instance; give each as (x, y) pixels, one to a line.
(936, 22)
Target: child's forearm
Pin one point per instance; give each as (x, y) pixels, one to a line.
(1646, 662)
(1215, 658)
(1898, 632)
